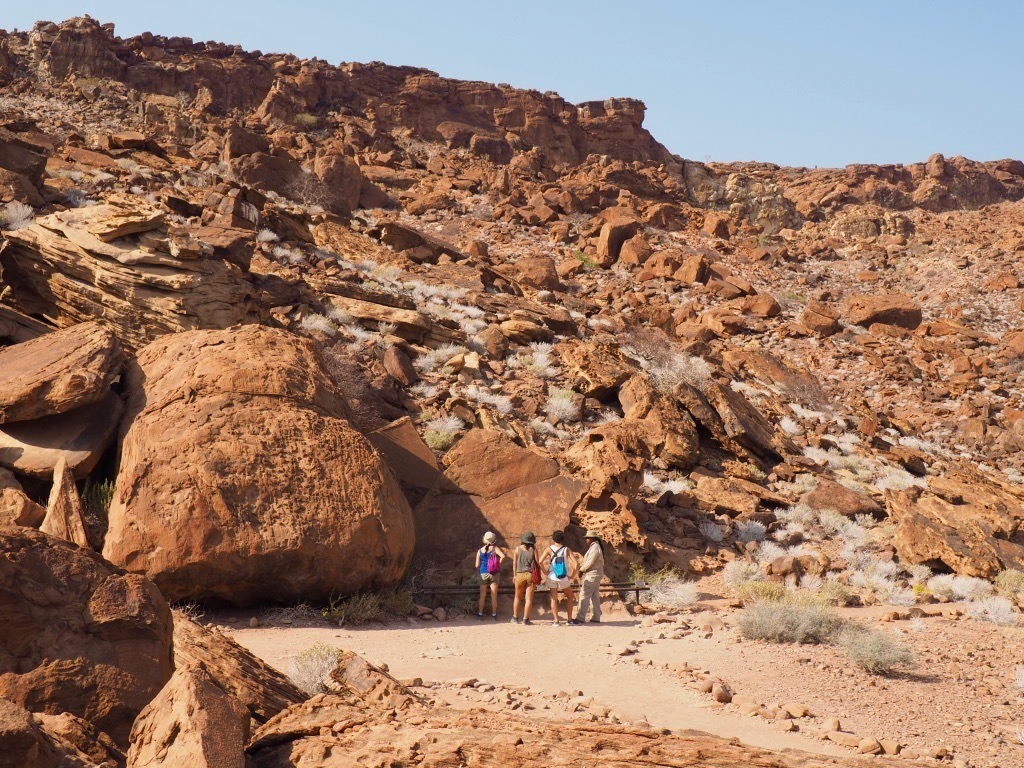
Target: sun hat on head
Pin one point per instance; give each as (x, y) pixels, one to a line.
(591, 534)
(489, 537)
(528, 538)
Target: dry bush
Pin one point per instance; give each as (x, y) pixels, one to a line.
(789, 622)
(1010, 582)
(873, 651)
(761, 591)
(310, 667)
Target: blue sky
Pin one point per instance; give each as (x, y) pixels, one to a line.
(797, 83)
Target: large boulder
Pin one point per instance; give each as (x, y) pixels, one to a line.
(969, 524)
(25, 742)
(78, 635)
(828, 494)
(242, 480)
(57, 372)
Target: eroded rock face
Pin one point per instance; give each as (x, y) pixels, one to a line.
(971, 525)
(78, 635)
(192, 722)
(242, 480)
(122, 262)
(257, 686)
(57, 372)
(492, 484)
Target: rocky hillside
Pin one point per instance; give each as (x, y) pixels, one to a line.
(277, 330)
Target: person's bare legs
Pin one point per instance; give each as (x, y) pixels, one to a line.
(569, 599)
(553, 594)
(529, 601)
(483, 598)
(494, 599)
(518, 600)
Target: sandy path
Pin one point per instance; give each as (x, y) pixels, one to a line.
(546, 658)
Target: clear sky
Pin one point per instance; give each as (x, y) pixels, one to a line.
(797, 83)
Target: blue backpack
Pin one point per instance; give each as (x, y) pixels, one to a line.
(558, 565)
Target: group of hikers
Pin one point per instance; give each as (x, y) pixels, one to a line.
(557, 567)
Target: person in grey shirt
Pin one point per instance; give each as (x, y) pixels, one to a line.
(592, 571)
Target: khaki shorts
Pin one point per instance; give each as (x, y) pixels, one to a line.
(559, 585)
(524, 578)
(488, 578)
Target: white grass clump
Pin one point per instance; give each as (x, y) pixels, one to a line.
(897, 479)
(435, 358)
(562, 407)
(919, 573)
(1019, 676)
(971, 588)
(790, 427)
(501, 403)
(658, 486)
(711, 531)
(811, 582)
(16, 216)
(750, 530)
(318, 323)
(310, 667)
(738, 572)
(997, 610)
(541, 427)
(959, 587)
(266, 236)
(673, 592)
(767, 551)
(424, 389)
(806, 413)
(902, 598)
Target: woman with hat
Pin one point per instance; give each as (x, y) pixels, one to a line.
(488, 567)
(592, 571)
(525, 560)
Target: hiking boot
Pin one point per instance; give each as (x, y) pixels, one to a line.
(494, 617)
(575, 622)
(594, 621)
(513, 620)
(480, 616)
(527, 621)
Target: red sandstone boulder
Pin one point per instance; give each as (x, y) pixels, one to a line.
(241, 478)
(57, 372)
(889, 309)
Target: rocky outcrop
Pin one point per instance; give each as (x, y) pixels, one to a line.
(257, 686)
(970, 525)
(191, 722)
(79, 635)
(241, 478)
(120, 261)
(57, 372)
(828, 494)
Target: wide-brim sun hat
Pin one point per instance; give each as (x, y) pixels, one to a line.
(591, 534)
(528, 538)
(489, 537)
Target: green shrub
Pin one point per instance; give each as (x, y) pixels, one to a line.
(439, 440)
(96, 498)
(835, 592)
(761, 591)
(873, 651)
(307, 120)
(789, 622)
(1009, 583)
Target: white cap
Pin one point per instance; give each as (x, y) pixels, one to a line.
(489, 537)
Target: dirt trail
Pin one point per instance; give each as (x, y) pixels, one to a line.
(546, 658)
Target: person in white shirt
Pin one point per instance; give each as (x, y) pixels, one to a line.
(592, 570)
(559, 565)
